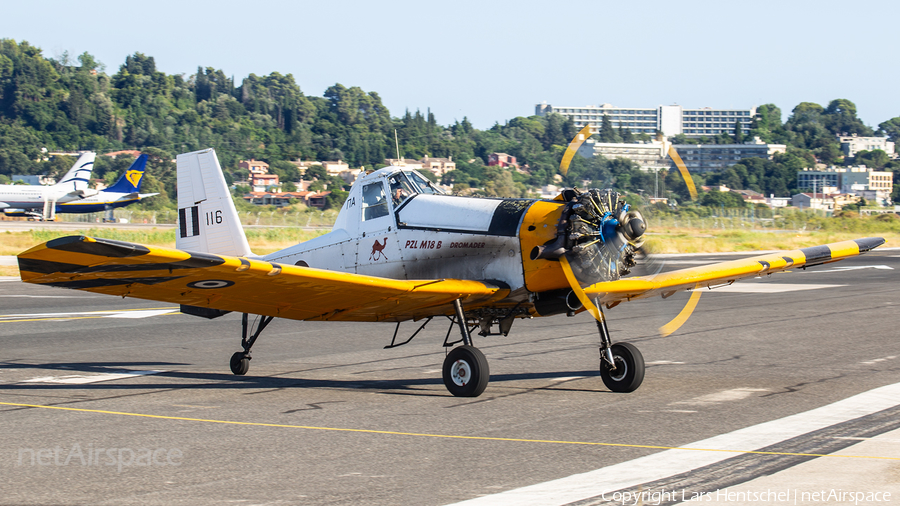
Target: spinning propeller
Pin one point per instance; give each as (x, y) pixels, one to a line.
(599, 235)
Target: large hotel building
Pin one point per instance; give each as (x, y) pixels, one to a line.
(669, 119)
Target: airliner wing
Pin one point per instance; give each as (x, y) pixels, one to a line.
(241, 284)
(727, 272)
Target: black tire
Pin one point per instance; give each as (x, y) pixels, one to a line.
(466, 372)
(240, 363)
(629, 373)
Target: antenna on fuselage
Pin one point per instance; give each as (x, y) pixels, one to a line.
(397, 145)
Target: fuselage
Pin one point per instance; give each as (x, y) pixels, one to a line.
(14, 196)
(428, 235)
(102, 201)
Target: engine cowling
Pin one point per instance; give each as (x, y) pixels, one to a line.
(599, 233)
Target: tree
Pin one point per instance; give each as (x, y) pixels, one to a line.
(891, 129)
(716, 198)
(875, 159)
(499, 183)
(840, 119)
(738, 132)
(607, 132)
(767, 125)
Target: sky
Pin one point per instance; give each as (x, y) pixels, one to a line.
(491, 61)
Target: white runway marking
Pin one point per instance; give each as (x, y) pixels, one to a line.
(146, 313)
(875, 361)
(855, 268)
(567, 378)
(688, 262)
(768, 287)
(84, 379)
(735, 394)
(50, 296)
(671, 462)
(126, 313)
(663, 362)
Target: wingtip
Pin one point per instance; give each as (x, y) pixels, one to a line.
(869, 243)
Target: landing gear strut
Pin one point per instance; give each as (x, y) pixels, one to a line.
(465, 369)
(240, 361)
(621, 364)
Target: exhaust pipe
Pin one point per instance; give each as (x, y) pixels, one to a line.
(556, 302)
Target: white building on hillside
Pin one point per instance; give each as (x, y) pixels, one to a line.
(671, 120)
(851, 144)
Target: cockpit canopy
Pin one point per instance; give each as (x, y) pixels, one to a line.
(381, 191)
(409, 182)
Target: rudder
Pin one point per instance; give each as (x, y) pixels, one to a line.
(207, 219)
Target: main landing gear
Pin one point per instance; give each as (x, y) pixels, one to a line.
(465, 369)
(466, 372)
(621, 364)
(240, 361)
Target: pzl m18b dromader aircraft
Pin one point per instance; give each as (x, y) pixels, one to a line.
(401, 250)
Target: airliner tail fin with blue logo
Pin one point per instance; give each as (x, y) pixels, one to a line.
(130, 182)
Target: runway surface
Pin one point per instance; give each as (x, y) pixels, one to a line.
(326, 416)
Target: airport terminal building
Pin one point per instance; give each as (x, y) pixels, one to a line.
(669, 119)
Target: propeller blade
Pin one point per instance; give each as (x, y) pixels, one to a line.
(684, 172)
(572, 148)
(579, 292)
(676, 323)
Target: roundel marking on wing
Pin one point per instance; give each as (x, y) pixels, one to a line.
(210, 283)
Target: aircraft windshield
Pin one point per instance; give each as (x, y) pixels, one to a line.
(424, 185)
(401, 188)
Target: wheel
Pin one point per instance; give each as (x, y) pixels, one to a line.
(466, 371)
(240, 363)
(629, 373)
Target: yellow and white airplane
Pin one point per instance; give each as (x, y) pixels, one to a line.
(402, 250)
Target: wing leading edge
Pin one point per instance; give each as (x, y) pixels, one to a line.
(727, 272)
(241, 284)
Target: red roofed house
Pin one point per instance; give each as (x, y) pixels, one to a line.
(133, 152)
(502, 160)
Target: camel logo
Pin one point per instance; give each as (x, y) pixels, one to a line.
(378, 251)
(134, 177)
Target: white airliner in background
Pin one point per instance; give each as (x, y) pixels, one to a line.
(41, 200)
(74, 196)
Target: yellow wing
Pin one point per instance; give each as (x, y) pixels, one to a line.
(668, 283)
(241, 284)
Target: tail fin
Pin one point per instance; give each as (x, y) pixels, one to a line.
(207, 219)
(130, 182)
(79, 175)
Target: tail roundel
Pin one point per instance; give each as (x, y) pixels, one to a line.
(207, 219)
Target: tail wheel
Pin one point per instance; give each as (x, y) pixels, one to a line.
(466, 372)
(629, 372)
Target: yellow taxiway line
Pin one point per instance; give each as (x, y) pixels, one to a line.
(442, 436)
